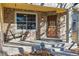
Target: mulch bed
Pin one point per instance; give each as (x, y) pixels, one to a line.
(36, 53)
(41, 53)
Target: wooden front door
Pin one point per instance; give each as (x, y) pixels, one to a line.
(51, 28)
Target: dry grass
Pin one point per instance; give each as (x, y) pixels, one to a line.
(75, 50)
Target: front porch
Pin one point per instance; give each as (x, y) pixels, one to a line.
(25, 27)
(47, 23)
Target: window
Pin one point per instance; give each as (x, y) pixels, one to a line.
(74, 22)
(26, 21)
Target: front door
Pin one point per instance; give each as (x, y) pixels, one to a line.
(51, 28)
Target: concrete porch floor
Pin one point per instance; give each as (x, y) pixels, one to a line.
(12, 47)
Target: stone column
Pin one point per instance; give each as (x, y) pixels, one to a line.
(1, 30)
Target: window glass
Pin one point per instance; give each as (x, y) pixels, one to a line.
(26, 21)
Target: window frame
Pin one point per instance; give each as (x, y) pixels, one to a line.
(21, 12)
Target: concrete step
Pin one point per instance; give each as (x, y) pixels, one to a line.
(52, 39)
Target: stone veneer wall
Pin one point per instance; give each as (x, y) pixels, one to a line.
(63, 27)
(9, 16)
(43, 26)
(43, 23)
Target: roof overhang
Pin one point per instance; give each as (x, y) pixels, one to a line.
(31, 7)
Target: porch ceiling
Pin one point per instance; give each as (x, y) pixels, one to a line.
(26, 6)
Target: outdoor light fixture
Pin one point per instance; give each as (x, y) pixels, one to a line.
(42, 18)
